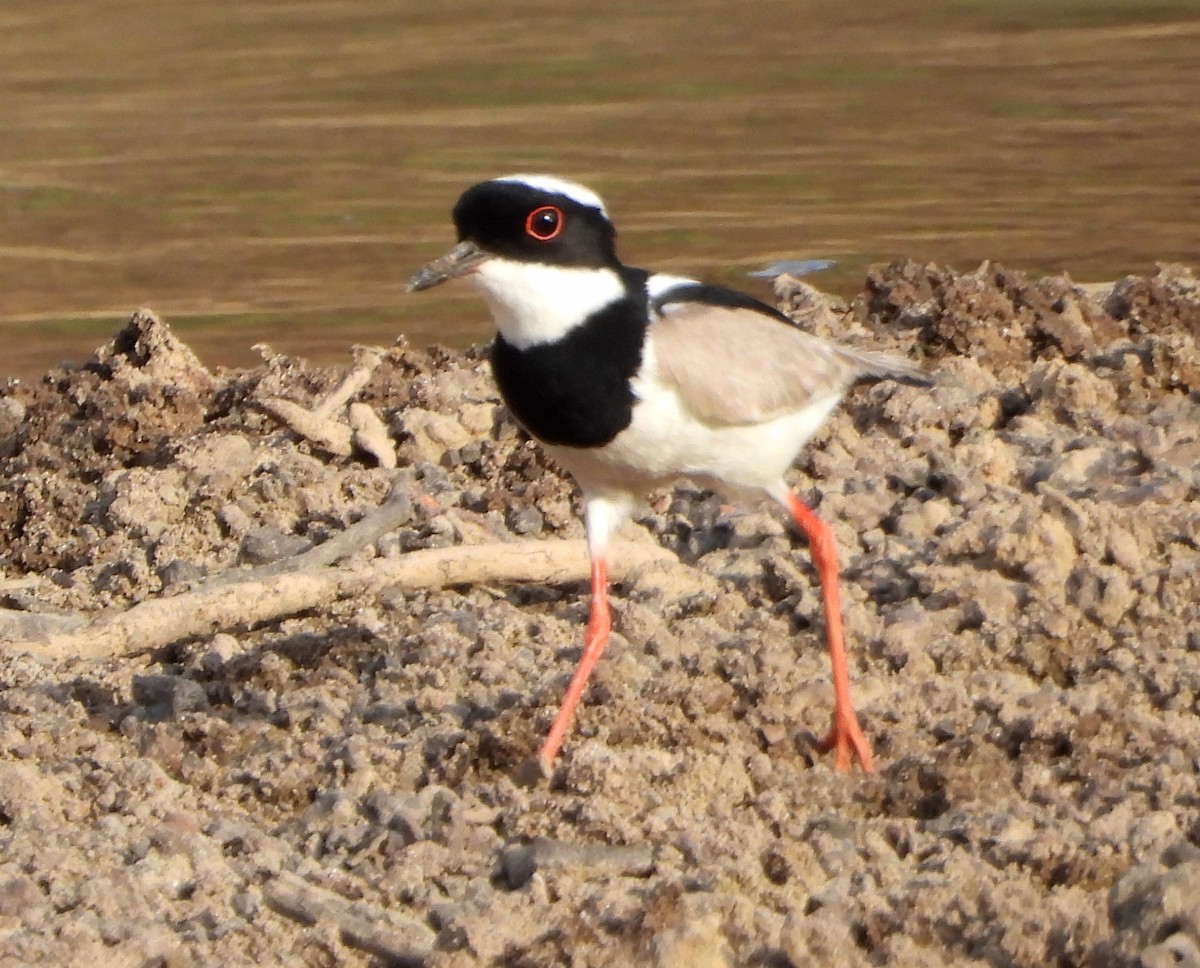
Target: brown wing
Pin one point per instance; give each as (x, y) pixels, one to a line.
(736, 366)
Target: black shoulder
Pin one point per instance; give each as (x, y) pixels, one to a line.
(707, 295)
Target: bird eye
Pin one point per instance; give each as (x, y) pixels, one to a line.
(544, 223)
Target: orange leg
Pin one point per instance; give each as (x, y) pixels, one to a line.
(845, 737)
(594, 641)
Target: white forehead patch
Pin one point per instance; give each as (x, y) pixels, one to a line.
(558, 186)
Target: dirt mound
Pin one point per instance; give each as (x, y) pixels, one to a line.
(335, 786)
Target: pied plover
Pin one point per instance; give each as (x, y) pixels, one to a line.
(632, 379)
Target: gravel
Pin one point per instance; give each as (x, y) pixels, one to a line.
(1022, 603)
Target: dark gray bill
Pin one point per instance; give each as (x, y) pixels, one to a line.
(460, 260)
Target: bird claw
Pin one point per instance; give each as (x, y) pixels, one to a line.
(849, 743)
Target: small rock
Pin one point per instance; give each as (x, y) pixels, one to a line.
(12, 415)
(821, 938)
(147, 352)
(1148, 903)
(696, 943)
(264, 545)
(20, 896)
(400, 813)
(234, 519)
(1178, 951)
(477, 418)
(168, 697)
(432, 434)
(517, 865)
(221, 650)
(1078, 467)
(526, 520)
(245, 904)
(1069, 330)
(179, 572)
(1124, 551)
(219, 460)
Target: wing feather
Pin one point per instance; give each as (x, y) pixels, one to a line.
(733, 365)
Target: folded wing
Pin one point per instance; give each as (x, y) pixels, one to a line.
(734, 365)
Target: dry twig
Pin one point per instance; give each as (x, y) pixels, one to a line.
(211, 608)
(371, 434)
(321, 425)
(393, 512)
(325, 432)
(366, 361)
(397, 939)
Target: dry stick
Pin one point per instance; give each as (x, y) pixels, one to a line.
(33, 625)
(393, 512)
(519, 862)
(367, 360)
(208, 609)
(370, 434)
(399, 940)
(323, 431)
(320, 424)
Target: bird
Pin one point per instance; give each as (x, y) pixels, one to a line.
(632, 380)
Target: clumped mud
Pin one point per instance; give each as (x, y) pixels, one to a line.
(1022, 602)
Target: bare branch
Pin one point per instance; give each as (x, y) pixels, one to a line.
(393, 512)
(371, 434)
(367, 360)
(389, 935)
(325, 432)
(211, 608)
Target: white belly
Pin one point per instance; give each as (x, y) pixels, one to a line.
(664, 442)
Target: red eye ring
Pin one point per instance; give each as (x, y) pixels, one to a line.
(538, 226)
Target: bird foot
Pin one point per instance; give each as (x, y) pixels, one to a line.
(848, 742)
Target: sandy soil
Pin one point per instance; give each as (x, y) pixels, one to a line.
(1022, 598)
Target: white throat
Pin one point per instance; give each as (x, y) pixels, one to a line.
(534, 303)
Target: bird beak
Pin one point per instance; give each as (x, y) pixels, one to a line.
(463, 258)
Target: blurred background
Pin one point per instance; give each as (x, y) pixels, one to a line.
(267, 171)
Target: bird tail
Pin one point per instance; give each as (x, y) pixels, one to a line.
(876, 365)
